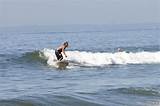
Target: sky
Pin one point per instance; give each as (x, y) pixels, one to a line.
(68, 12)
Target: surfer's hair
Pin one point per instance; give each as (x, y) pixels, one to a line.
(65, 44)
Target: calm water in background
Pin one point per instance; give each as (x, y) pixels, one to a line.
(26, 79)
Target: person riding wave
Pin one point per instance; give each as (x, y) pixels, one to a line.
(60, 50)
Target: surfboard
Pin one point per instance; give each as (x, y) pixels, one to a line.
(62, 64)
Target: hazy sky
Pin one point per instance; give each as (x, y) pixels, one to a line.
(59, 12)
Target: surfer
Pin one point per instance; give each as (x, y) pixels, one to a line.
(60, 50)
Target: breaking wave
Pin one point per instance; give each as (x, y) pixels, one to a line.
(103, 58)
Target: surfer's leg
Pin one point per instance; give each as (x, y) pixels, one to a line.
(58, 55)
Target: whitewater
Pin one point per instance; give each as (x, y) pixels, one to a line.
(85, 58)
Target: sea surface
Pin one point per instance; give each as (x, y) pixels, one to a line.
(97, 75)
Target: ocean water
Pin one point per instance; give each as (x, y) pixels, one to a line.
(97, 74)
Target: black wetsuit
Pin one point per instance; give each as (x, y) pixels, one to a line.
(58, 54)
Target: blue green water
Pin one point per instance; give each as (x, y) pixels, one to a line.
(98, 75)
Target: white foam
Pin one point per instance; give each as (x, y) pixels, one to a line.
(100, 59)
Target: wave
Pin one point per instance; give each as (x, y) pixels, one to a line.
(110, 97)
(83, 58)
(32, 57)
(50, 100)
(103, 58)
(21, 60)
(138, 91)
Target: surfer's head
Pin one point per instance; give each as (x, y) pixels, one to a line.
(65, 44)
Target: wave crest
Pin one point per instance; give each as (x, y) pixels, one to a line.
(100, 59)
